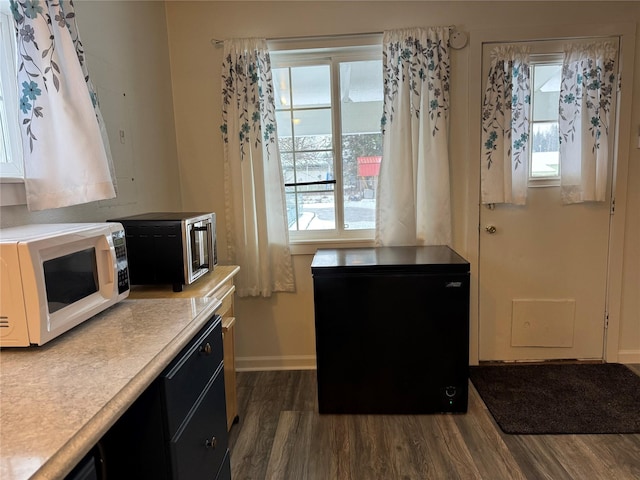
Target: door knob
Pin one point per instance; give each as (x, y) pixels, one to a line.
(490, 229)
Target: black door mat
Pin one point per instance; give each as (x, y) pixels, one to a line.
(560, 398)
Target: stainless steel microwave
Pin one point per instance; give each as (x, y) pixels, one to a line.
(174, 248)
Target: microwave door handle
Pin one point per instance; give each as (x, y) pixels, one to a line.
(108, 261)
(201, 249)
(210, 245)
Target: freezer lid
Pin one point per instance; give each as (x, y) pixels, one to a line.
(422, 259)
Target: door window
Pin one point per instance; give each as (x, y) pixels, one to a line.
(545, 81)
(545, 64)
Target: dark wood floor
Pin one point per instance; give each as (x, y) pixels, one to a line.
(281, 436)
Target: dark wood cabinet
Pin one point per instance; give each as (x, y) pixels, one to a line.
(219, 284)
(177, 429)
(200, 445)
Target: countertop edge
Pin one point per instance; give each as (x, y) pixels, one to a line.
(63, 461)
(226, 278)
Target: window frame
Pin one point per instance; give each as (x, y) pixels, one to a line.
(547, 58)
(291, 55)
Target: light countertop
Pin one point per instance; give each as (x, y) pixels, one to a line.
(205, 286)
(57, 400)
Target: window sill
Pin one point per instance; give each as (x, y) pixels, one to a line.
(544, 182)
(12, 192)
(310, 247)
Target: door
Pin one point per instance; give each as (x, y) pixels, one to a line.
(543, 266)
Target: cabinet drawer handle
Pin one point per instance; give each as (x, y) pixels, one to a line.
(206, 348)
(211, 443)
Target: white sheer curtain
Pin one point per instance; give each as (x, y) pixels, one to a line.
(413, 204)
(67, 158)
(257, 231)
(505, 127)
(588, 81)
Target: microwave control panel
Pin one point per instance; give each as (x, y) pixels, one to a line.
(121, 258)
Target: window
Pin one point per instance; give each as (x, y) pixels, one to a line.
(10, 143)
(328, 111)
(545, 68)
(546, 71)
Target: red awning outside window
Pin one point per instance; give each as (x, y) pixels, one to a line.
(369, 166)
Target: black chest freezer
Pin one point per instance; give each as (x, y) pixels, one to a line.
(392, 330)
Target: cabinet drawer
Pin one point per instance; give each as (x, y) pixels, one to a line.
(199, 447)
(226, 297)
(225, 469)
(183, 381)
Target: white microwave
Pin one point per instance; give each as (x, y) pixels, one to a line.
(55, 276)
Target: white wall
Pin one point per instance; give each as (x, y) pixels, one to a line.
(144, 85)
(279, 332)
(127, 54)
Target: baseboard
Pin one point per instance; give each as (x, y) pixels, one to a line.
(287, 362)
(308, 362)
(629, 356)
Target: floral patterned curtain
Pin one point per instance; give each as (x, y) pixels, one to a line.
(588, 81)
(67, 158)
(257, 230)
(505, 127)
(413, 205)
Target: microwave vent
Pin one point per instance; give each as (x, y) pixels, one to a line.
(153, 231)
(6, 327)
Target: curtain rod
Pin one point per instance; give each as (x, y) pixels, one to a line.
(217, 43)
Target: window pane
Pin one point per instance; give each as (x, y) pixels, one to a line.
(547, 92)
(283, 124)
(312, 210)
(302, 87)
(4, 156)
(311, 86)
(545, 150)
(309, 207)
(544, 123)
(288, 167)
(313, 167)
(315, 124)
(361, 110)
(282, 88)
